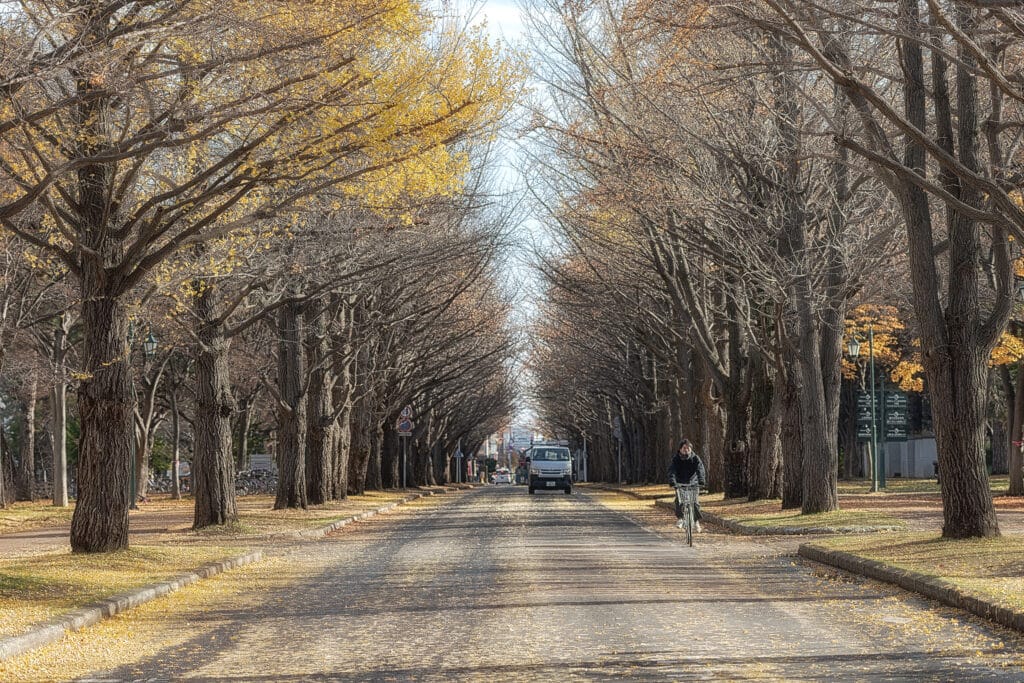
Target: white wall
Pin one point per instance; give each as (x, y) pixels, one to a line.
(912, 459)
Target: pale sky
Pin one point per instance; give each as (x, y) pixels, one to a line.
(503, 19)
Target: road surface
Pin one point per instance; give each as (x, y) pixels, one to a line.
(495, 584)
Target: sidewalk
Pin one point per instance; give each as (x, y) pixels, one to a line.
(916, 510)
(35, 558)
(981, 576)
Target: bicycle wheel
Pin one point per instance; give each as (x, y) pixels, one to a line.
(688, 524)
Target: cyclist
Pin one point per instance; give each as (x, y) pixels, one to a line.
(687, 468)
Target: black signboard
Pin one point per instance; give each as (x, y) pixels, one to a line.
(891, 416)
(896, 416)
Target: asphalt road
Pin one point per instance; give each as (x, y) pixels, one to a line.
(495, 584)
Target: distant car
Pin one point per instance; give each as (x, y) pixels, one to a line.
(502, 478)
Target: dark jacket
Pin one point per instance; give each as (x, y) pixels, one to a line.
(687, 470)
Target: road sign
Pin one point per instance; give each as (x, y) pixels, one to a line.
(891, 418)
(406, 412)
(897, 419)
(405, 426)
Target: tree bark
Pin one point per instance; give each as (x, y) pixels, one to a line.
(320, 418)
(792, 441)
(359, 449)
(765, 428)
(737, 408)
(820, 458)
(176, 446)
(999, 452)
(712, 429)
(26, 475)
(59, 414)
(213, 467)
(956, 342)
(375, 468)
(106, 413)
(5, 466)
(291, 433)
(1016, 462)
(243, 422)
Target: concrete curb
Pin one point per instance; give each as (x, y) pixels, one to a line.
(54, 629)
(930, 587)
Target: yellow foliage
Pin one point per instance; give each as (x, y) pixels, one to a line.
(881, 322)
(244, 109)
(1010, 349)
(908, 375)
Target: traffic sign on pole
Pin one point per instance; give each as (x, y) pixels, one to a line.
(404, 426)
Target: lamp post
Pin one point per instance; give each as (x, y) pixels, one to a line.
(853, 349)
(149, 346)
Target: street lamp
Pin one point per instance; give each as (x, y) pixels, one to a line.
(853, 348)
(149, 346)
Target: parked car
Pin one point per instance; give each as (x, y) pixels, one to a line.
(502, 477)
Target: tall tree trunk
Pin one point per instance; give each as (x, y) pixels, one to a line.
(59, 413)
(291, 433)
(359, 449)
(1016, 462)
(342, 453)
(342, 359)
(1000, 461)
(26, 477)
(712, 429)
(320, 418)
(765, 426)
(820, 459)
(737, 407)
(5, 466)
(955, 342)
(792, 441)
(213, 467)
(105, 413)
(243, 422)
(176, 446)
(375, 466)
(391, 455)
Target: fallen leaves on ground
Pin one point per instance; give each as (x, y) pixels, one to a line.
(34, 589)
(989, 568)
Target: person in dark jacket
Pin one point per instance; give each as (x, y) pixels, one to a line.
(687, 468)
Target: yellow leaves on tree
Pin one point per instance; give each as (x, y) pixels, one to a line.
(207, 116)
(904, 364)
(884, 324)
(1010, 349)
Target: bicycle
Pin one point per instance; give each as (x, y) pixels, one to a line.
(686, 494)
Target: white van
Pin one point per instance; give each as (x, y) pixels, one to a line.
(550, 468)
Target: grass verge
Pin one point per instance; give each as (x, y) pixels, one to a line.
(35, 589)
(769, 513)
(991, 569)
(20, 517)
(999, 484)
